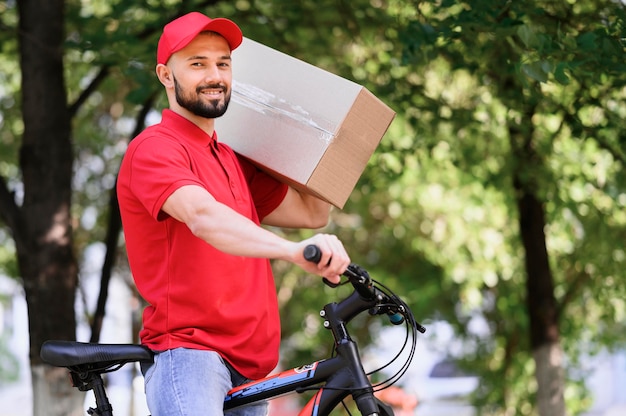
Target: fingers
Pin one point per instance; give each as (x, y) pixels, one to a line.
(335, 280)
(335, 258)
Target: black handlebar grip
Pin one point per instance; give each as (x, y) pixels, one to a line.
(312, 253)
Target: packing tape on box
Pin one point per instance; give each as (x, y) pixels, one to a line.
(267, 103)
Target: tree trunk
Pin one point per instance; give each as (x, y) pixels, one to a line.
(542, 310)
(43, 231)
(541, 304)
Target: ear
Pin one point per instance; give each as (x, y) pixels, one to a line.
(165, 75)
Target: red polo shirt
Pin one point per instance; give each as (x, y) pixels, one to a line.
(198, 296)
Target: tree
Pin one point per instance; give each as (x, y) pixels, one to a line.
(41, 225)
(536, 69)
(39, 211)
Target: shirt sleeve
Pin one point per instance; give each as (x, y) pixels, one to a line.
(157, 170)
(267, 191)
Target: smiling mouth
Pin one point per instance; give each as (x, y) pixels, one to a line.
(211, 91)
(212, 95)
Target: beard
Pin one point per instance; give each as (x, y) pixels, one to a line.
(199, 107)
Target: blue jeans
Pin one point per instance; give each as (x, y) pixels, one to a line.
(186, 382)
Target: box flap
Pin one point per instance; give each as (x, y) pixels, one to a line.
(355, 142)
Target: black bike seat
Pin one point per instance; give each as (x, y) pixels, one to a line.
(73, 353)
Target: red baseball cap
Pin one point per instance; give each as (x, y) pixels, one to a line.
(179, 32)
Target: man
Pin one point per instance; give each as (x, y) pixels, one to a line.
(192, 211)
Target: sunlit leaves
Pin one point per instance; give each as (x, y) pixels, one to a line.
(478, 66)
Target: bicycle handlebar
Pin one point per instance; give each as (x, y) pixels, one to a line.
(375, 298)
(355, 274)
(363, 285)
(313, 254)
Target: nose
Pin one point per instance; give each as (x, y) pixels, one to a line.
(213, 74)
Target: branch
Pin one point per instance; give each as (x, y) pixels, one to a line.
(578, 282)
(91, 88)
(113, 231)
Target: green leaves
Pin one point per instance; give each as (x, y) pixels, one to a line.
(538, 71)
(534, 39)
(489, 84)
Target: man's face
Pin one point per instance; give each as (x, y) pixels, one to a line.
(202, 106)
(202, 76)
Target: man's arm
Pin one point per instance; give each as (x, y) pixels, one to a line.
(235, 234)
(299, 210)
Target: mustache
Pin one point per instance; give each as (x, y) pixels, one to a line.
(201, 88)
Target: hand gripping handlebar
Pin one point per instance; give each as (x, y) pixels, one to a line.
(363, 285)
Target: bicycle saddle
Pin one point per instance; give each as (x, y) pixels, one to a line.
(73, 353)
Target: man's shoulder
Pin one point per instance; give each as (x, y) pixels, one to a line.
(155, 134)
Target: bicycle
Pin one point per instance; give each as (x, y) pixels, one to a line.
(334, 379)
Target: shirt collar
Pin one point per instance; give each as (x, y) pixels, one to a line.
(187, 129)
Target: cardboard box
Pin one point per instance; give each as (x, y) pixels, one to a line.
(309, 127)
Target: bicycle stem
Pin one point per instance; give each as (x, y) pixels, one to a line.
(336, 315)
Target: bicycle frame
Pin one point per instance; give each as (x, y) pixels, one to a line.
(341, 375)
(334, 378)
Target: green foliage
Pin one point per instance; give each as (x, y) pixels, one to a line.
(482, 67)
(10, 122)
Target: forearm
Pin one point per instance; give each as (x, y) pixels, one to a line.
(235, 234)
(232, 233)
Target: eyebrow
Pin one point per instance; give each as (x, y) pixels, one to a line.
(221, 58)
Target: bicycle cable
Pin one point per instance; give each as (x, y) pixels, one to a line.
(412, 327)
